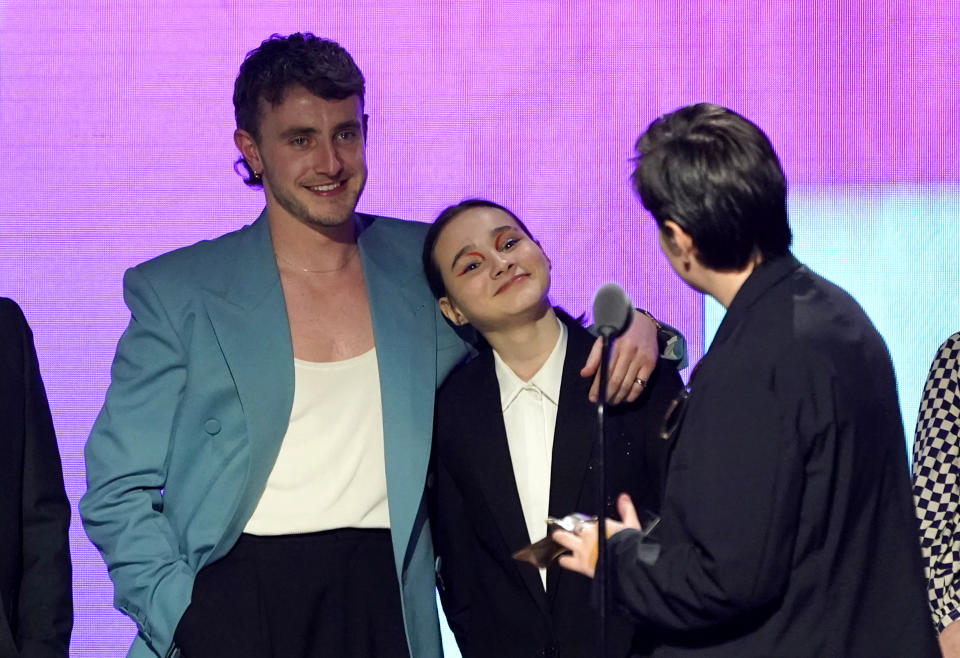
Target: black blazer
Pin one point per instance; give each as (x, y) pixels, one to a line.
(497, 606)
(35, 576)
(788, 525)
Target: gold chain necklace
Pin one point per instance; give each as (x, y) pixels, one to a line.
(309, 271)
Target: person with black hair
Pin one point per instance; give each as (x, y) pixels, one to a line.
(514, 443)
(256, 476)
(787, 523)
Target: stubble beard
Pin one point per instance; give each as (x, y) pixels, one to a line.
(300, 211)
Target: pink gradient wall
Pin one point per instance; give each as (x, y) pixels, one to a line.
(116, 144)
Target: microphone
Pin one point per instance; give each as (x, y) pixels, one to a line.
(612, 310)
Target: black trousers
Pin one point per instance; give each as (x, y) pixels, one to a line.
(331, 593)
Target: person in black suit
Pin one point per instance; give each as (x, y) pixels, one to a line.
(788, 525)
(513, 443)
(35, 573)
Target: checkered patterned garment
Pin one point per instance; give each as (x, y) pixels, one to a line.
(936, 482)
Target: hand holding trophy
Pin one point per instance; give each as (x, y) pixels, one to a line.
(574, 538)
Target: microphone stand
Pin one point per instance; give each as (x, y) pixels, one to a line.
(602, 571)
(612, 312)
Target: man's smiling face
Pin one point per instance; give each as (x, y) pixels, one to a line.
(312, 155)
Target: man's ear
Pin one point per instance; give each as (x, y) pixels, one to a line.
(366, 118)
(451, 312)
(248, 149)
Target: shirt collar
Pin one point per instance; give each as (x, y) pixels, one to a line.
(546, 380)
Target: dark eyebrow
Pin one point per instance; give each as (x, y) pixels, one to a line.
(352, 123)
(500, 230)
(463, 251)
(306, 130)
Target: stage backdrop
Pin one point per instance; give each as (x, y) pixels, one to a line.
(115, 146)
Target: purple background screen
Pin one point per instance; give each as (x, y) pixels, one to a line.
(116, 145)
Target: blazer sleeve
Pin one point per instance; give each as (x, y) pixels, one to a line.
(45, 607)
(126, 458)
(936, 482)
(733, 498)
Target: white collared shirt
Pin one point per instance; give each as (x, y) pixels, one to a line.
(530, 416)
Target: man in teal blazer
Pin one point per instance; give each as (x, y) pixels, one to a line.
(202, 386)
(203, 380)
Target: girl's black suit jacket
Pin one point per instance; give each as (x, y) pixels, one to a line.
(497, 606)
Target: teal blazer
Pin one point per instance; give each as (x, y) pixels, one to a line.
(200, 399)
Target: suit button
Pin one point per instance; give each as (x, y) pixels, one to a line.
(550, 651)
(212, 426)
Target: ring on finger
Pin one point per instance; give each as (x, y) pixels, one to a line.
(642, 382)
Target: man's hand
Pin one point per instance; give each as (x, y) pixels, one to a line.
(632, 360)
(950, 640)
(582, 542)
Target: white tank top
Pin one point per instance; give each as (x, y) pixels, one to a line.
(330, 470)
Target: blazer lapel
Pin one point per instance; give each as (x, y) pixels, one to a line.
(249, 318)
(405, 333)
(573, 438)
(490, 454)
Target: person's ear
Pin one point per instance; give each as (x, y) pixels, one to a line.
(248, 149)
(679, 242)
(451, 312)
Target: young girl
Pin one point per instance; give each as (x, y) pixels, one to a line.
(514, 443)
